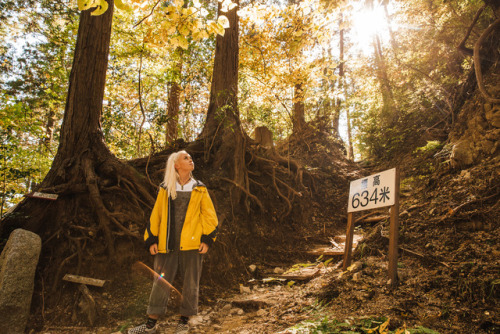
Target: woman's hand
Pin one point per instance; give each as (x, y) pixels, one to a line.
(153, 249)
(203, 248)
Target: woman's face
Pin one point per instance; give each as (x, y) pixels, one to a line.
(184, 163)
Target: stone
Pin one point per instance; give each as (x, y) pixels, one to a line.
(261, 313)
(195, 320)
(252, 268)
(462, 154)
(245, 289)
(237, 310)
(356, 266)
(465, 174)
(493, 117)
(278, 270)
(487, 146)
(18, 262)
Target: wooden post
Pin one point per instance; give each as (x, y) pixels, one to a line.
(348, 241)
(394, 235)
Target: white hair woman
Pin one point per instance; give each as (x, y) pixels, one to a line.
(182, 227)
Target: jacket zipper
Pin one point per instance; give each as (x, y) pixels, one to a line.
(168, 223)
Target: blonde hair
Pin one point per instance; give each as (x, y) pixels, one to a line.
(171, 175)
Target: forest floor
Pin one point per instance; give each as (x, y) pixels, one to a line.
(448, 267)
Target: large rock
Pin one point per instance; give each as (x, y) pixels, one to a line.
(18, 262)
(493, 116)
(462, 154)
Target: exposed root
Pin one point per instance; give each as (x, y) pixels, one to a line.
(280, 194)
(477, 62)
(59, 269)
(95, 199)
(246, 192)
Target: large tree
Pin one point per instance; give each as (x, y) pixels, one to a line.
(100, 198)
(223, 127)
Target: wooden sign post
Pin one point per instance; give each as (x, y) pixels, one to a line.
(375, 191)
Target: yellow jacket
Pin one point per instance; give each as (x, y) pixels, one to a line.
(200, 224)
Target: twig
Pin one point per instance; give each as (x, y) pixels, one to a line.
(413, 207)
(151, 13)
(462, 46)
(461, 206)
(374, 219)
(365, 216)
(424, 256)
(58, 272)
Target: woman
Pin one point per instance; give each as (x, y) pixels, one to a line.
(182, 227)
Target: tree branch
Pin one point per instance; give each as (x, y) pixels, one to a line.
(461, 46)
(477, 62)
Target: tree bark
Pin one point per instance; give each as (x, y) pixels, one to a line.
(298, 117)
(388, 109)
(222, 131)
(336, 118)
(173, 104)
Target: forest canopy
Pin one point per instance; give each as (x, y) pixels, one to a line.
(377, 75)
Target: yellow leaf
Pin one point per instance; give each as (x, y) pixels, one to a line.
(85, 4)
(223, 21)
(121, 5)
(173, 16)
(183, 43)
(178, 3)
(382, 329)
(211, 27)
(170, 30)
(183, 30)
(102, 6)
(174, 42)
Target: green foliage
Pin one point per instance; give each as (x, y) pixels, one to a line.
(23, 160)
(431, 146)
(281, 45)
(368, 325)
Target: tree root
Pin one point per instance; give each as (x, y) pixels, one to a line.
(95, 199)
(280, 194)
(58, 272)
(246, 192)
(477, 62)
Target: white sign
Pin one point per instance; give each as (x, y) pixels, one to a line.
(51, 197)
(374, 191)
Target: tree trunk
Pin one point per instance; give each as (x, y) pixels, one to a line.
(298, 120)
(173, 105)
(350, 151)
(49, 127)
(222, 131)
(91, 183)
(389, 111)
(336, 118)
